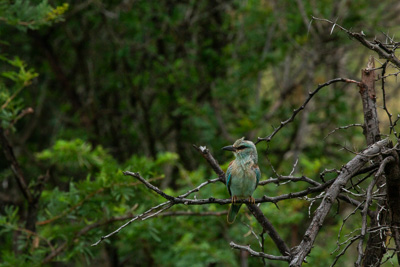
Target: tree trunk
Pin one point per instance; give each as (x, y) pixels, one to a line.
(375, 249)
(392, 171)
(349, 170)
(368, 96)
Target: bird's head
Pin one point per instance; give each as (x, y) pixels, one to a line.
(243, 149)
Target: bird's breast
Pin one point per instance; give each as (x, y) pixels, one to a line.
(243, 180)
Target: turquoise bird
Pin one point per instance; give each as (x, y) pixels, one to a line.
(243, 174)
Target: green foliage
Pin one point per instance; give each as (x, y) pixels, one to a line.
(104, 194)
(22, 77)
(74, 154)
(23, 15)
(11, 105)
(127, 86)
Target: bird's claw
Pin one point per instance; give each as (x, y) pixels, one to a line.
(252, 200)
(234, 199)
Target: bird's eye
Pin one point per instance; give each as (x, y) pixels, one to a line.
(241, 147)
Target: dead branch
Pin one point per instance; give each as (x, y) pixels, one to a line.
(301, 251)
(389, 115)
(392, 173)
(289, 178)
(9, 153)
(384, 51)
(367, 203)
(343, 127)
(212, 161)
(296, 111)
(269, 229)
(259, 254)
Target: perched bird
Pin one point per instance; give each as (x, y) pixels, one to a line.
(242, 175)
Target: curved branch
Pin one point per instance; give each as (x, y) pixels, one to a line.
(259, 254)
(289, 178)
(332, 193)
(296, 111)
(187, 201)
(378, 47)
(269, 228)
(212, 161)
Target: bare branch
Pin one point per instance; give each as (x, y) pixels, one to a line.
(255, 210)
(392, 173)
(156, 210)
(383, 165)
(15, 167)
(367, 203)
(149, 185)
(259, 254)
(346, 173)
(269, 228)
(289, 178)
(187, 201)
(211, 160)
(343, 127)
(296, 111)
(378, 47)
(349, 243)
(192, 213)
(384, 100)
(87, 197)
(163, 206)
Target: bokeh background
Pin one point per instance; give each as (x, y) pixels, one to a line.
(133, 84)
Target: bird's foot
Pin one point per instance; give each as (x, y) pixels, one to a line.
(234, 199)
(252, 200)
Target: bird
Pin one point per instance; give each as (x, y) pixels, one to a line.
(242, 175)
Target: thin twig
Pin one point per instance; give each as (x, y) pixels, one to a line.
(204, 201)
(192, 213)
(296, 111)
(259, 254)
(289, 178)
(380, 49)
(87, 197)
(164, 206)
(322, 211)
(350, 242)
(367, 203)
(156, 210)
(343, 127)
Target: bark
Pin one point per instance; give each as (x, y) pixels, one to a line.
(269, 229)
(347, 171)
(375, 249)
(392, 171)
(31, 197)
(368, 95)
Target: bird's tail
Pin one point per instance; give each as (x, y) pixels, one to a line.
(233, 211)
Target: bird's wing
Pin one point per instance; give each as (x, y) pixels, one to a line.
(258, 173)
(228, 176)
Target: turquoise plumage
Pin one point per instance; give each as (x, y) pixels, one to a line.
(243, 174)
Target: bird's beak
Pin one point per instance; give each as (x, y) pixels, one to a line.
(229, 148)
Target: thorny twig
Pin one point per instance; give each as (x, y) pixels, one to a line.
(303, 106)
(157, 209)
(343, 127)
(332, 193)
(364, 212)
(384, 51)
(350, 242)
(183, 200)
(259, 254)
(384, 100)
(289, 178)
